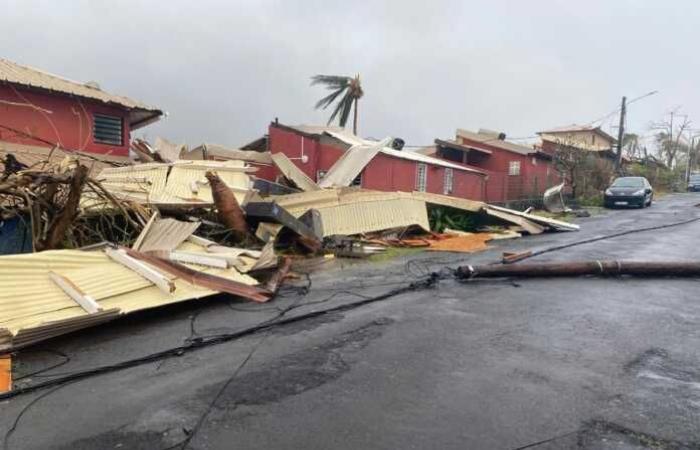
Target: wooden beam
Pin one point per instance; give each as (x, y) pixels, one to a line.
(199, 258)
(164, 283)
(85, 301)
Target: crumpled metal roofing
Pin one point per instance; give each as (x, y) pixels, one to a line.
(353, 211)
(293, 173)
(12, 72)
(33, 308)
(221, 153)
(35, 157)
(173, 183)
(357, 142)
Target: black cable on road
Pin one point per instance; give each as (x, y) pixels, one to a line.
(197, 344)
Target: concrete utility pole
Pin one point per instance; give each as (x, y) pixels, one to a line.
(620, 136)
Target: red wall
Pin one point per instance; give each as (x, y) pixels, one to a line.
(533, 180)
(383, 173)
(320, 156)
(386, 173)
(69, 122)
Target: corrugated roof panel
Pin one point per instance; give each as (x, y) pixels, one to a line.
(364, 217)
(29, 299)
(167, 234)
(27, 76)
(179, 186)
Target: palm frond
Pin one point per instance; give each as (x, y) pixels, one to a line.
(327, 100)
(347, 107)
(331, 81)
(339, 106)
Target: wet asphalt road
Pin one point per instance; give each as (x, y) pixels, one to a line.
(567, 363)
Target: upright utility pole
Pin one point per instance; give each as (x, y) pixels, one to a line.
(620, 136)
(690, 149)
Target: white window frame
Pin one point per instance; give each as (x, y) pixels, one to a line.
(421, 177)
(514, 168)
(448, 182)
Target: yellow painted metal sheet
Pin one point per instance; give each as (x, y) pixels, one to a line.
(33, 308)
(179, 188)
(179, 183)
(364, 217)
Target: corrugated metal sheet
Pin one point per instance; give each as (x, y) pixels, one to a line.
(349, 166)
(353, 211)
(364, 217)
(166, 234)
(172, 183)
(33, 308)
(446, 200)
(27, 76)
(219, 152)
(35, 157)
(293, 173)
(179, 186)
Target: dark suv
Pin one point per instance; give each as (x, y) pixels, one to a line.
(629, 191)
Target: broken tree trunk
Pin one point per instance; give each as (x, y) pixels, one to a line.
(227, 207)
(575, 269)
(59, 226)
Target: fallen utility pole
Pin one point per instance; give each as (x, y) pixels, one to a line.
(577, 269)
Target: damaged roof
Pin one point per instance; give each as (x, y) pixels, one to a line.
(578, 128)
(361, 144)
(493, 140)
(13, 73)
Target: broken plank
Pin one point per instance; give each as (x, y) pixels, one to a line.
(199, 258)
(73, 291)
(164, 284)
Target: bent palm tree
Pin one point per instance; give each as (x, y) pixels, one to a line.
(351, 91)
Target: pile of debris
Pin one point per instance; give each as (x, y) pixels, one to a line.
(169, 230)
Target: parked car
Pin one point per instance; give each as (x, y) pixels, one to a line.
(694, 182)
(629, 191)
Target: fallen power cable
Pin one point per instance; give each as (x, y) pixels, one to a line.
(576, 269)
(203, 342)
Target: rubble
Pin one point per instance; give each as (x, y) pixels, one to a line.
(130, 243)
(65, 290)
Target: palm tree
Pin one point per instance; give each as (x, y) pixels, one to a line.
(351, 91)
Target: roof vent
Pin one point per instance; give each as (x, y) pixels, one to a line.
(397, 144)
(93, 85)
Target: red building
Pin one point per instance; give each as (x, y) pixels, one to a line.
(514, 171)
(315, 149)
(39, 111)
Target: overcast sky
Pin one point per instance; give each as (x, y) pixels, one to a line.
(224, 70)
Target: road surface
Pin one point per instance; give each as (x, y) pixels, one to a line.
(545, 364)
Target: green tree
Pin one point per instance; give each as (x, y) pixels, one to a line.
(348, 89)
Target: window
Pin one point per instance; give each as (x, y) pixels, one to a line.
(357, 181)
(107, 129)
(514, 168)
(593, 139)
(319, 175)
(449, 180)
(421, 177)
